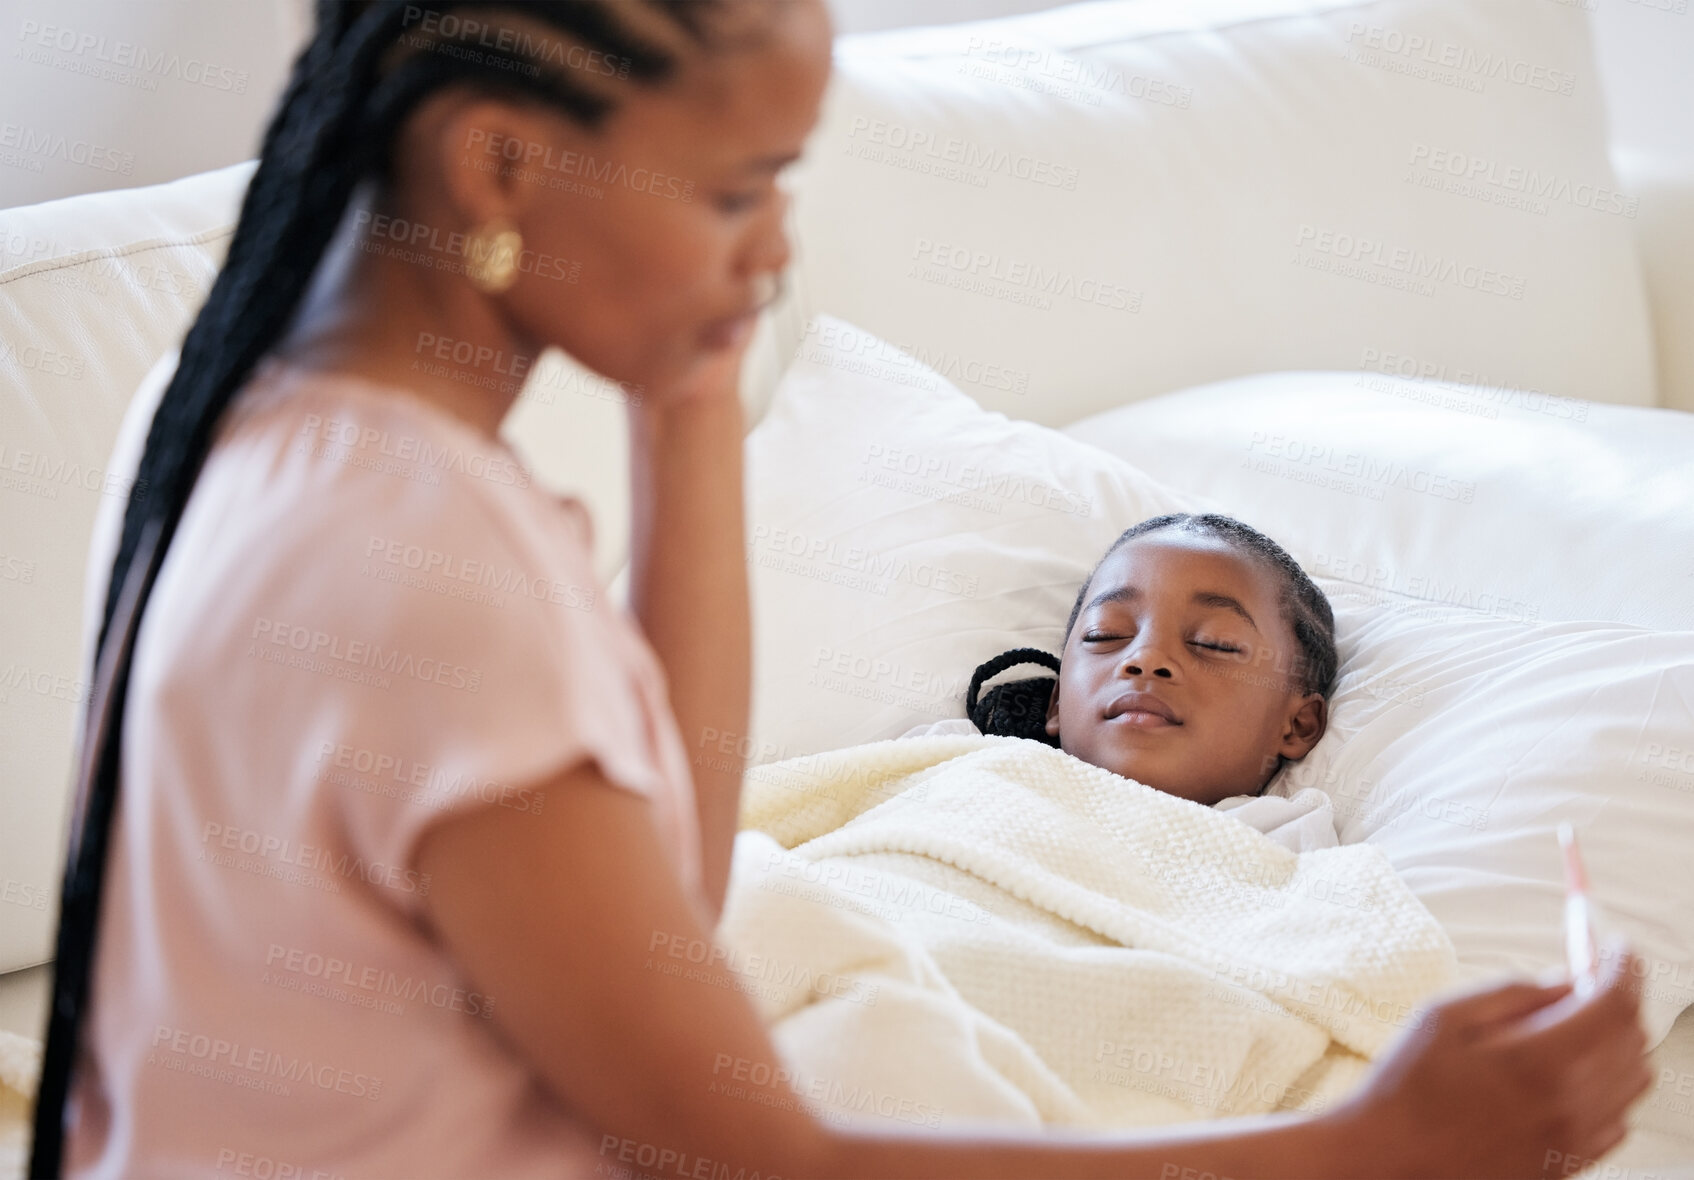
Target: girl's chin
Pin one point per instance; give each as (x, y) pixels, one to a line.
(1138, 769)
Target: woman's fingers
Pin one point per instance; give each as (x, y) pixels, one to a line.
(1498, 1004)
(1593, 1050)
(1567, 1162)
(1606, 1095)
(716, 375)
(1518, 1078)
(1607, 1021)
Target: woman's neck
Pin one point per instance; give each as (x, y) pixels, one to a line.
(374, 312)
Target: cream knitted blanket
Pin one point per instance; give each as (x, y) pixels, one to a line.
(946, 929)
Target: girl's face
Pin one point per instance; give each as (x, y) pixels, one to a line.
(1181, 672)
(653, 238)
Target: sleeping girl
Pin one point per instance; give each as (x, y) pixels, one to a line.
(1198, 660)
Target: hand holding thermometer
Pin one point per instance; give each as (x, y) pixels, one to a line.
(1582, 948)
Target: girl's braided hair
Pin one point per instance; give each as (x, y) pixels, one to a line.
(367, 67)
(1018, 708)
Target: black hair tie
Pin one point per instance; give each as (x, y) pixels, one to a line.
(1017, 708)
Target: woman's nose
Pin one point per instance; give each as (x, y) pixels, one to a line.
(770, 249)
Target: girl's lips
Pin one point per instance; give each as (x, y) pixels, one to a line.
(1143, 708)
(1141, 719)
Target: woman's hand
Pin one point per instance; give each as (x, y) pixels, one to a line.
(1516, 1080)
(688, 583)
(715, 378)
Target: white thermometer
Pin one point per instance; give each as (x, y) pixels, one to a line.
(1582, 950)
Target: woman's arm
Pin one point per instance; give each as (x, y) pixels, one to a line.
(688, 589)
(572, 922)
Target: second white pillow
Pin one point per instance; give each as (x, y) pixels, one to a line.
(899, 535)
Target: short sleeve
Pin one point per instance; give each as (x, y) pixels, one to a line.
(494, 690)
(437, 646)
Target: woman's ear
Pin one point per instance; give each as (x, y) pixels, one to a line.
(1052, 725)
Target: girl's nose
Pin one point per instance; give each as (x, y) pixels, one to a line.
(1145, 659)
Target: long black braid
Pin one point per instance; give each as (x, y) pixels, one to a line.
(1018, 708)
(349, 91)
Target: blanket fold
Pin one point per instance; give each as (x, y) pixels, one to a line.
(958, 928)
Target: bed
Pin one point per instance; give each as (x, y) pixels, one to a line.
(1054, 274)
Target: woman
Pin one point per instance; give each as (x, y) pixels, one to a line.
(408, 829)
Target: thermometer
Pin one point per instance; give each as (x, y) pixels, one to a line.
(1581, 917)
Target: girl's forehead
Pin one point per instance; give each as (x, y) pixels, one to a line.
(1174, 554)
(1180, 564)
(1168, 561)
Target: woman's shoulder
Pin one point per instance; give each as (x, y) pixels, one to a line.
(340, 451)
(326, 508)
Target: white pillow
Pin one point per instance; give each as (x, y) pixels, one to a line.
(899, 535)
(1520, 504)
(1460, 740)
(1513, 605)
(1075, 208)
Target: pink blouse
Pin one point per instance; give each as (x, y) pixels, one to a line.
(370, 618)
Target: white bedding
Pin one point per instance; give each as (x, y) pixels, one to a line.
(1299, 822)
(1507, 663)
(953, 928)
(1661, 1146)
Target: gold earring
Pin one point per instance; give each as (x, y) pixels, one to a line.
(493, 251)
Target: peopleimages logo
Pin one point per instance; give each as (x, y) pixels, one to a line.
(50, 145)
(91, 49)
(53, 472)
(966, 153)
(352, 436)
(467, 30)
(1464, 61)
(358, 653)
(1459, 169)
(509, 151)
(379, 981)
(178, 1049)
(1406, 262)
(418, 241)
(436, 784)
(1017, 280)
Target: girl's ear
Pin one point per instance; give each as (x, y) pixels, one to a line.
(1052, 725)
(1305, 727)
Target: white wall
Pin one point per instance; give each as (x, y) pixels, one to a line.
(103, 94)
(1646, 52)
(72, 120)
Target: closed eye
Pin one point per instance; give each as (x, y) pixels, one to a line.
(1094, 637)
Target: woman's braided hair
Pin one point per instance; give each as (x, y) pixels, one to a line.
(1018, 708)
(368, 66)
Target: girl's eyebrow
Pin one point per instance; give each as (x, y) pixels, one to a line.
(1200, 598)
(1214, 598)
